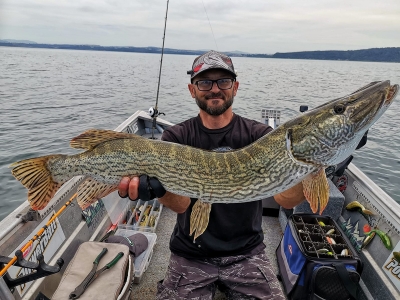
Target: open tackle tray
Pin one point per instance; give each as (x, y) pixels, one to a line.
(321, 237)
(143, 216)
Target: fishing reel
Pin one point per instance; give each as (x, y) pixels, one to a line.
(154, 113)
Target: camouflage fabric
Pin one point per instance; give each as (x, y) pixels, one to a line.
(238, 277)
(212, 60)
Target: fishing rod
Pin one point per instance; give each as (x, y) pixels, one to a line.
(212, 31)
(154, 113)
(37, 235)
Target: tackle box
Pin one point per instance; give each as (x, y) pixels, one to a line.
(321, 237)
(141, 262)
(315, 258)
(143, 216)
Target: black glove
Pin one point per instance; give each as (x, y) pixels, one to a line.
(150, 188)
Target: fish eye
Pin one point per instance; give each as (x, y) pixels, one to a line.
(339, 109)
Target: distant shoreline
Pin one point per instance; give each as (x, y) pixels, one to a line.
(390, 54)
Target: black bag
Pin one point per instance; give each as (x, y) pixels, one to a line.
(317, 261)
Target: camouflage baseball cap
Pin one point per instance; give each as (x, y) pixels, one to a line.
(211, 60)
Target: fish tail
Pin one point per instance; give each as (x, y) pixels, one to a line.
(35, 175)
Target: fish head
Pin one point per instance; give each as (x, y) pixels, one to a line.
(328, 134)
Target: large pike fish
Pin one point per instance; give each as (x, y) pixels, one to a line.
(297, 151)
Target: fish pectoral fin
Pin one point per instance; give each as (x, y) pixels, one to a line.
(199, 218)
(93, 137)
(35, 175)
(316, 190)
(91, 190)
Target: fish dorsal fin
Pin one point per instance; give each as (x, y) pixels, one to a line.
(93, 137)
(316, 190)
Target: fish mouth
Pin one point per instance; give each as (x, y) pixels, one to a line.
(391, 94)
(367, 104)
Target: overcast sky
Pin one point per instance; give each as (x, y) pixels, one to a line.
(255, 26)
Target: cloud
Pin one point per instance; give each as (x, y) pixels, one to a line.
(251, 26)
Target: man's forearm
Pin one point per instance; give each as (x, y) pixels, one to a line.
(177, 203)
(291, 197)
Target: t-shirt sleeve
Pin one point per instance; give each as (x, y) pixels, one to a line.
(260, 129)
(169, 136)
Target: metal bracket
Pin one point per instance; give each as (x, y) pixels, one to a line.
(39, 269)
(31, 215)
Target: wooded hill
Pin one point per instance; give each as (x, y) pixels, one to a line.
(374, 54)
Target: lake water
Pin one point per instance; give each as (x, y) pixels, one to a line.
(48, 96)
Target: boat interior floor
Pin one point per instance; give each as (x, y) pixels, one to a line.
(147, 288)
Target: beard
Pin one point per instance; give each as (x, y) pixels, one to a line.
(218, 110)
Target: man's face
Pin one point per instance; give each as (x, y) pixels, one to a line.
(215, 101)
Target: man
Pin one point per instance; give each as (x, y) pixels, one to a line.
(230, 253)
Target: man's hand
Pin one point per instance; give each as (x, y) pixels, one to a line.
(291, 197)
(144, 187)
(132, 188)
(129, 188)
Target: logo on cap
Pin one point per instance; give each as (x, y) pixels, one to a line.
(197, 68)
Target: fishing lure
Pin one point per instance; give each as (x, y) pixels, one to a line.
(357, 206)
(396, 256)
(383, 236)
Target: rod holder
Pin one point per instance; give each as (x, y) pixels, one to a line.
(39, 269)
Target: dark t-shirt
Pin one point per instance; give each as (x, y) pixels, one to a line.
(233, 229)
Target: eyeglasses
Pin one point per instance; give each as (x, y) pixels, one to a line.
(223, 84)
